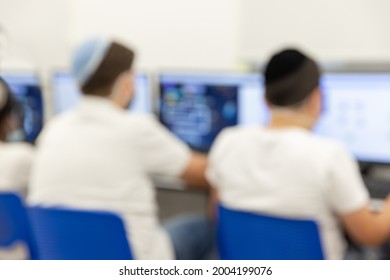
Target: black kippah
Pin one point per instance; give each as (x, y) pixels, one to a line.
(290, 76)
(283, 64)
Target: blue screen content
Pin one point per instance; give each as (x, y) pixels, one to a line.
(27, 92)
(66, 93)
(197, 107)
(356, 111)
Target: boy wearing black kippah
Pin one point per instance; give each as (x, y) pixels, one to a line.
(284, 170)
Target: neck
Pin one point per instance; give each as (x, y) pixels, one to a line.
(284, 118)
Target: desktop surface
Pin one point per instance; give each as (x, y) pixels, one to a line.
(27, 91)
(66, 93)
(196, 107)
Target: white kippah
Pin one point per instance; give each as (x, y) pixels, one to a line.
(87, 58)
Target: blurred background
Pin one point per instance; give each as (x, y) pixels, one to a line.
(178, 42)
(217, 34)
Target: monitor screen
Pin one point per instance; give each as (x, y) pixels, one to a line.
(27, 91)
(66, 93)
(196, 107)
(357, 112)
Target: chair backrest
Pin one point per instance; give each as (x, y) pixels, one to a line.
(249, 236)
(64, 234)
(15, 230)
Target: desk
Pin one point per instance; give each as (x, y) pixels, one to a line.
(376, 180)
(173, 198)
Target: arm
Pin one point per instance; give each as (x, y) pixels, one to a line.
(194, 173)
(367, 227)
(349, 198)
(165, 154)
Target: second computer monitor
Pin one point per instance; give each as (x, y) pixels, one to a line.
(66, 93)
(357, 112)
(197, 106)
(26, 89)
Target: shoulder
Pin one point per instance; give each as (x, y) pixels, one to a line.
(327, 154)
(328, 146)
(17, 153)
(233, 137)
(144, 124)
(58, 121)
(16, 160)
(146, 132)
(18, 149)
(142, 120)
(54, 127)
(237, 133)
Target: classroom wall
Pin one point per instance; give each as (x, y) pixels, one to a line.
(176, 34)
(33, 33)
(169, 34)
(202, 34)
(332, 30)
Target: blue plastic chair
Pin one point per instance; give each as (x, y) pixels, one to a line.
(64, 234)
(14, 225)
(249, 236)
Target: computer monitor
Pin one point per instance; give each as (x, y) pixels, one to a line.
(66, 93)
(197, 106)
(27, 91)
(357, 112)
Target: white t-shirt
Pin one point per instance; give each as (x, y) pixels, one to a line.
(15, 166)
(100, 157)
(289, 173)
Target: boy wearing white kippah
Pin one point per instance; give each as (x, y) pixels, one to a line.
(100, 156)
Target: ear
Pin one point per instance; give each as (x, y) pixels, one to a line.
(123, 90)
(269, 105)
(315, 102)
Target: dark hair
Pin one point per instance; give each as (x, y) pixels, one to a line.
(282, 64)
(117, 60)
(6, 109)
(290, 76)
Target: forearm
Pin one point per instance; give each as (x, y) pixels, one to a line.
(382, 223)
(367, 227)
(195, 173)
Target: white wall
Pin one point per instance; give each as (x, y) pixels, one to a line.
(333, 30)
(197, 34)
(35, 33)
(174, 34)
(34, 37)
(167, 34)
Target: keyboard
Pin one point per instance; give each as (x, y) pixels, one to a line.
(378, 188)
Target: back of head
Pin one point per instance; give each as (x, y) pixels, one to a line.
(290, 77)
(98, 63)
(7, 106)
